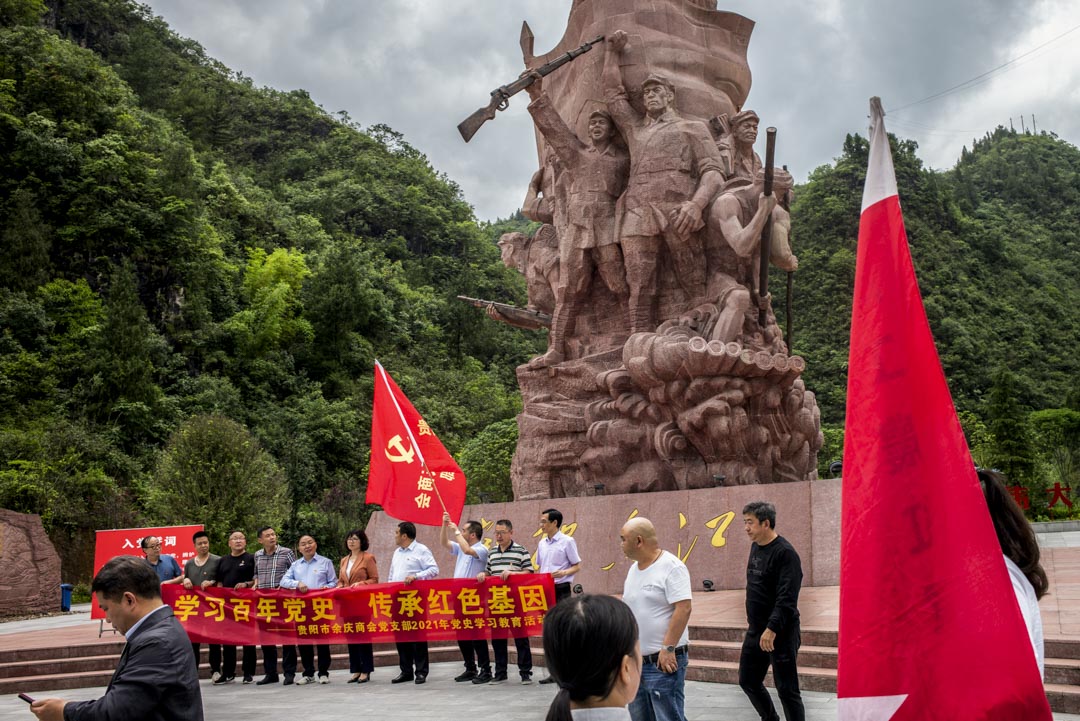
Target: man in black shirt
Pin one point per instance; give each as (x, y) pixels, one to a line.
(237, 570)
(773, 579)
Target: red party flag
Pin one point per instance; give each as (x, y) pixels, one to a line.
(929, 624)
(411, 475)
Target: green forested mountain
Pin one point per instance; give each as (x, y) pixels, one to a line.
(197, 274)
(179, 248)
(996, 246)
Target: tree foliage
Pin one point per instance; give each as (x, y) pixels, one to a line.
(213, 471)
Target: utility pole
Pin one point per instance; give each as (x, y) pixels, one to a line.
(1033, 128)
(1011, 128)
(1022, 126)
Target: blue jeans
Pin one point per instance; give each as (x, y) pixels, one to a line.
(661, 696)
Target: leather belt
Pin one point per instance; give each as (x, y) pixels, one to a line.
(654, 657)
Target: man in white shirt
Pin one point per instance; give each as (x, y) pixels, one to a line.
(557, 554)
(657, 590)
(412, 561)
(471, 558)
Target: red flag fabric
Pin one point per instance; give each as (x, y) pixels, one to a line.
(410, 474)
(929, 625)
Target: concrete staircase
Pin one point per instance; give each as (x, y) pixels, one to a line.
(714, 657)
(85, 666)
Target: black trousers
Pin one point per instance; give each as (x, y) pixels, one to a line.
(562, 591)
(476, 655)
(228, 661)
(413, 654)
(288, 660)
(754, 664)
(502, 658)
(307, 658)
(361, 658)
(215, 656)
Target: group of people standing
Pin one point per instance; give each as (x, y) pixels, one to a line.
(274, 566)
(656, 599)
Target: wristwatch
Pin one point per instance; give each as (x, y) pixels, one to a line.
(669, 649)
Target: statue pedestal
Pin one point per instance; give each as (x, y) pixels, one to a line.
(703, 526)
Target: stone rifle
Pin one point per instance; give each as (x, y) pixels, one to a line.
(523, 316)
(500, 96)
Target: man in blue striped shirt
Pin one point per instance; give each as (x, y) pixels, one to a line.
(311, 572)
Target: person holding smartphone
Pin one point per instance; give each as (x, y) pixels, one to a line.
(156, 677)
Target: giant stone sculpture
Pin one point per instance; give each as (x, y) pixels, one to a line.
(659, 375)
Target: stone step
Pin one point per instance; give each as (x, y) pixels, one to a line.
(89, 671)
(810, 637)
(809, 656)
(47, 653)
(1063, 698)
(810, 679)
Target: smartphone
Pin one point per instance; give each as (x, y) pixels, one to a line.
(26, 698)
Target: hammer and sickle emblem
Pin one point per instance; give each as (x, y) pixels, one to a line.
(403, 455)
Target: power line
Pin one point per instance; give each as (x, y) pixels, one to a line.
(984, 76)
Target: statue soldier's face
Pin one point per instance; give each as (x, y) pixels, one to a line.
(599, 128)
(746, 131)
(656, 97)
(506, 253)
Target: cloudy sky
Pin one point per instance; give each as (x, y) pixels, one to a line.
(421, 66)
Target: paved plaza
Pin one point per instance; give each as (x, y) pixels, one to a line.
(437, 700)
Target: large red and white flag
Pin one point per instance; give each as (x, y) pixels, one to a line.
(929, 625)
(410, 474)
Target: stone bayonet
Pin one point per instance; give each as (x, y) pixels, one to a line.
(500, 96)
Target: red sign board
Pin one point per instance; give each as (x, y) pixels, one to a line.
(442, 609)
(175, 541)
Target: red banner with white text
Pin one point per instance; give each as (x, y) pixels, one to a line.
(438, 610)
(175, 541)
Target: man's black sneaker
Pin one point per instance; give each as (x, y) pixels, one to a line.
(547, 680)
(266, 680)
(248, 679)
(499, 677)
(224, 680)
(467, 676)
(482, 677)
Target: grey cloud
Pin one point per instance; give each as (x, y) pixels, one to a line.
(421, 66)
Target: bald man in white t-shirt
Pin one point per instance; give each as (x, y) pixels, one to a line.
(657, 590)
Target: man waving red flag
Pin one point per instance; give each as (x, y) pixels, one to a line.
(929, 625)
(410, 474)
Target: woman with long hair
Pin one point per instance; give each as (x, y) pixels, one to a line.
(358, 569)
(1021, 550)
(591, 650)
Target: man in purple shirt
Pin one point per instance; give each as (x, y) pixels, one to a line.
(557, 554)
(311, 572)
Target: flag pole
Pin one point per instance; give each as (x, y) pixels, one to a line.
(412, 439)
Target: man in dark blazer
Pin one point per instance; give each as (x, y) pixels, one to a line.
(156, 676)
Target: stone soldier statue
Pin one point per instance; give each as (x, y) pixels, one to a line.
(736, 145)
(595, 176)
(736, 220)
(537, 259)
(675, 172)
